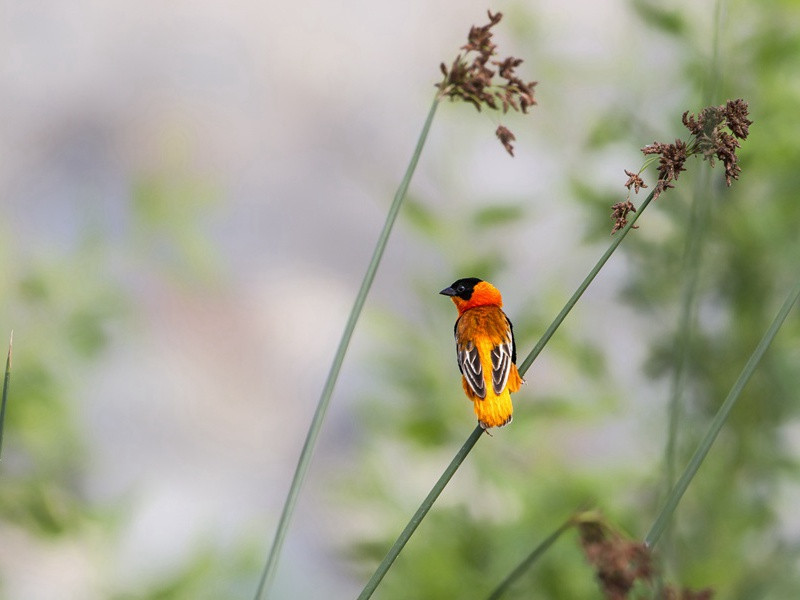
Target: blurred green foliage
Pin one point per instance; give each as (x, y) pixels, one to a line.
(209, 573)
(167, 208)
(734, 265)
(66, 307)
(59, 324)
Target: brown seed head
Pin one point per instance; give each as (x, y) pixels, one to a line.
(471, 79)
(620, 215)
(672, 158)
(712, 141)
(506, 137)
(618, 562)
(736, 116)
(635, 181)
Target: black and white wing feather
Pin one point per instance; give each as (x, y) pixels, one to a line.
(502, 357)
(469, 363)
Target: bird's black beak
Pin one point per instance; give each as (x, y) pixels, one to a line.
(448, 291)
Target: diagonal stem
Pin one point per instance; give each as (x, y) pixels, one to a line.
(409, 530)
(307, 452)
(525, 365)
(664, 516)
(426, 505)
(522, 567)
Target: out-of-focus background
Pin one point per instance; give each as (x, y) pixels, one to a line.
(190, 194)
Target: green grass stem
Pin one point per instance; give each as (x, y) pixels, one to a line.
(526, 564)
(6, 381)
(406, 534)
(307, 452)
(692, 259)
(675, 495)
(617, 240)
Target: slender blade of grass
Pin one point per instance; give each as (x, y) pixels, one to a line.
(406, 534)
(664, 516)
(307, 452)
(692, 258)
(526, 564)
(690, 267)
(6, 381)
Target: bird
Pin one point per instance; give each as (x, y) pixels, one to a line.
(485, 350)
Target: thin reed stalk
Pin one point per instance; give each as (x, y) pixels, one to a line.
(692, 259)
(409, 530)
(528, 561)
(618, 237)
(307, 452)
(675, 495)
(6, 381)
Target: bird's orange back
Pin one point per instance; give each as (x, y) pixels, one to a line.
(485, 349)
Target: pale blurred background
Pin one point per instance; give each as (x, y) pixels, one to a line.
(190, 194)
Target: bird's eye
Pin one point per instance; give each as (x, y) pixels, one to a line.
(461, 289)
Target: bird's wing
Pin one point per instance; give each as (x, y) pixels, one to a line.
(503, 356)
(469, 363)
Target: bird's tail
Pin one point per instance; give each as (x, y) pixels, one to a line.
(494, 411)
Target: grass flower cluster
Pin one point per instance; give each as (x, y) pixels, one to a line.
(708, 140)
(472, 79)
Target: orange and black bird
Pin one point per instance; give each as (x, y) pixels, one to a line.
(485, 348)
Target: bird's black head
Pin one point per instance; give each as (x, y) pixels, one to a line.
(462, 288)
